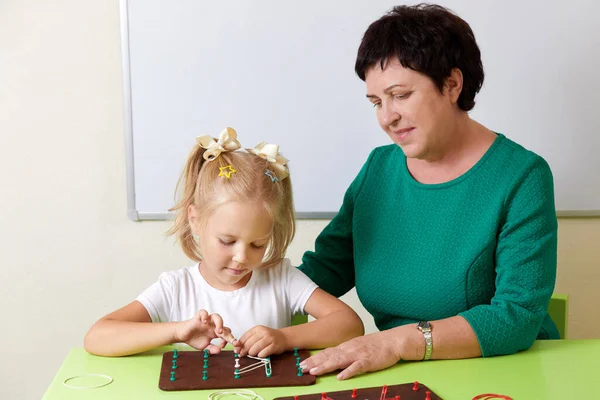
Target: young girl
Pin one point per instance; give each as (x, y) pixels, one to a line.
(235, 218)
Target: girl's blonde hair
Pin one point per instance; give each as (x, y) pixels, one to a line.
(201, 186)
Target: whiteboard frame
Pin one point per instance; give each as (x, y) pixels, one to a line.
(132, 212)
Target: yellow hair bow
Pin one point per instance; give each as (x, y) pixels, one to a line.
(214, 147)
(270, 152)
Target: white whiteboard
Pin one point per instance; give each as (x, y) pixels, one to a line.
(283, 72)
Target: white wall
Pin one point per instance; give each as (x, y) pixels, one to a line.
(69, 253)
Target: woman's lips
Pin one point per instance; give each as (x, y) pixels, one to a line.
(402, 134)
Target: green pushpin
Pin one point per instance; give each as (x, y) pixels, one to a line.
(297, 361)
(174, 364)
(172, 375)
(295, 351)
(175, 353)
(300, 371)
(204, 375)
(205, 353)
(236, 355)
(205, 363)
(236, 374)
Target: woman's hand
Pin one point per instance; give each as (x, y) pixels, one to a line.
(261, 341)
(199, 330)
(362, 354)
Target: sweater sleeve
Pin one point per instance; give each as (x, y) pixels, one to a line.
(331, 265)
(525, 266)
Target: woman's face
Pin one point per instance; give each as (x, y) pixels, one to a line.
(411, 110)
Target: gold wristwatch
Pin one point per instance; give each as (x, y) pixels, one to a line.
(425, 328)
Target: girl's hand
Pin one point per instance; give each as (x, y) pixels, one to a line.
(261, 341)
(199, 330)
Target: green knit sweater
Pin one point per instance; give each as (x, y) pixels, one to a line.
(482, 246)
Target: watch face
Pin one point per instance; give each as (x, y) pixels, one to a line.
(424, 325)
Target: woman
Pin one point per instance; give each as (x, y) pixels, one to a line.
(449, 235)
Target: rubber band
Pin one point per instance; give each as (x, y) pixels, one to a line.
(110, 380)
(266, 362)
(251, 367)
(490, 396)
(243, 393)
(258, 358)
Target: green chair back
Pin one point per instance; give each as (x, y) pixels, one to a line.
(558, 310)
(299, 319)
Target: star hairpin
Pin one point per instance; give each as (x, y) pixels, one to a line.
(272, 175)
(226, 171)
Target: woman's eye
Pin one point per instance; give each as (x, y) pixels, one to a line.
(224, 243)
(401, 96)
(262, 246)
(376, 105)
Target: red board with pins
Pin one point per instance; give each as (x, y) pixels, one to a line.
(194, 371)
(406, 391)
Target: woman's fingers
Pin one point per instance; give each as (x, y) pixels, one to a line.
(357, 367)
(326, 361)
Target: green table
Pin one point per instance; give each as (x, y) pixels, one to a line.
(553, 369)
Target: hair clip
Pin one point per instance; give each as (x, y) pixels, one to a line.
(270, 152)
(272, 175)
(226, 171)
(214, 147)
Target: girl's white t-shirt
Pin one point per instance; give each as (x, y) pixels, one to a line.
(270, 298)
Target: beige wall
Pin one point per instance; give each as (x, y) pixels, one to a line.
(69, 254)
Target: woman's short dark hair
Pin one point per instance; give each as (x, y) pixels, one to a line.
(426, 38)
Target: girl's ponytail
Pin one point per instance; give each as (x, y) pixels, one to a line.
(186, 187)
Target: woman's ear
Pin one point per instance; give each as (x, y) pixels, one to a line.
(454, 84)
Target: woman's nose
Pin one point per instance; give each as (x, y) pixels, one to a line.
(388, 115)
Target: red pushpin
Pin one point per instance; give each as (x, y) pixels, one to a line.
(295, 397)
(383, 392)
(416, 386)
(397, 398)
(427, 395)
(324, 396)
(354, 394)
